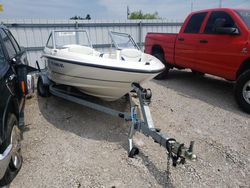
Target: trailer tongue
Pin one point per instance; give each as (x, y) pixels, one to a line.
(177, 151)
(139, 118)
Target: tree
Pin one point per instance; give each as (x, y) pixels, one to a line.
(140, 15)
(87, 17)
(77, 18)
(81, 18)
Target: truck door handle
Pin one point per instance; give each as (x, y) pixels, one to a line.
(203, 41)
(181, 39)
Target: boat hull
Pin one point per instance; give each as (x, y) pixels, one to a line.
(103, 82)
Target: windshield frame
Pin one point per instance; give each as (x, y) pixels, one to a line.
(245, 19)
(125, 35)
(70, 31)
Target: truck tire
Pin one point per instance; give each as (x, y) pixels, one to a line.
(14, 138)
(242, 91)
(164, 74)
(42, 89)
(197, 73)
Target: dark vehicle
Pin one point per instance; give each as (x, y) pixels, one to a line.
(13, 88)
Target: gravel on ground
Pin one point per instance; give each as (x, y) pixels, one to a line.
(67, 145)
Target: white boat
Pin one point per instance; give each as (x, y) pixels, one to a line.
(71, 60)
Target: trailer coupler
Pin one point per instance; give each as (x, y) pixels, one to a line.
(141, 121)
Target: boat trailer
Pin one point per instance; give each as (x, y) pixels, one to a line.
(139, 118)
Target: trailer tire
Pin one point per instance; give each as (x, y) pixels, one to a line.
(14, 138)
(134, 151)
(42, 89)
(242, 91)
(164, 74)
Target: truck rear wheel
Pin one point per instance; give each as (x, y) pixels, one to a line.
(14, 138)
(164, 74)
(242, 91)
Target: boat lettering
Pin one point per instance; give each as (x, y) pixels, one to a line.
(56, 64)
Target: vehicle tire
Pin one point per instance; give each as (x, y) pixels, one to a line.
(42, 89)
(14, 138)
(242, 91)
(197, 73)
(164, 74)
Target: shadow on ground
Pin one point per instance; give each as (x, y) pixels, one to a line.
(91, 124)
(212, 90)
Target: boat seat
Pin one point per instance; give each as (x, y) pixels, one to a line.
(81, 50)
(131, 55)
(107, 55)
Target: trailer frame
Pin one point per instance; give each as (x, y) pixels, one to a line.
(139, 117)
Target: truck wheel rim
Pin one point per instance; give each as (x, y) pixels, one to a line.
(246, 92)
(16, 147)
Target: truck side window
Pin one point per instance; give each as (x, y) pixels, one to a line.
(13, 40)
(8, 44)
(194, 24)
(3, 64)
(210, 27)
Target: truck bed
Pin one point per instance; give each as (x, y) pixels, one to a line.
(165, 40)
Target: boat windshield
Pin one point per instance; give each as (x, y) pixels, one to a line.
(245, 16)
(123, 40)
(63, 38)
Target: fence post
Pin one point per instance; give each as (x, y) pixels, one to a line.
(140, 34)
(76, 25)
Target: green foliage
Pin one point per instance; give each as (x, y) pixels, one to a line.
(76, 18)
(140, 15)
(81, 18)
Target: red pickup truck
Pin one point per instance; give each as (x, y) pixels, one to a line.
(213, 41)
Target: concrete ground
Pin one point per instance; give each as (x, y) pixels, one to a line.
(67, 145)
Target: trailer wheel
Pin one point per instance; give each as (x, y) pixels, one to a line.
(242, 91)
(134, 151)
(164, 74)
(14, 138)
(42, 89)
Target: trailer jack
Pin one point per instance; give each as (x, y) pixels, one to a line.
(140, 120)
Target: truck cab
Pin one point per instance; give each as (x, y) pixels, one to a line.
(214, 41)
(13, 87)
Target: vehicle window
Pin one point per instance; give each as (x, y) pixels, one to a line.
(210, 27)
(195, 23)
(3, 64)
(8, 44)
(49, 42)
(13, 40)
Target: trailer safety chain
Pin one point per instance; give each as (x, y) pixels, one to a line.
(168, 167)
(169, 147)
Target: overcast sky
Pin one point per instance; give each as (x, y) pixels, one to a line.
(108, 9)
